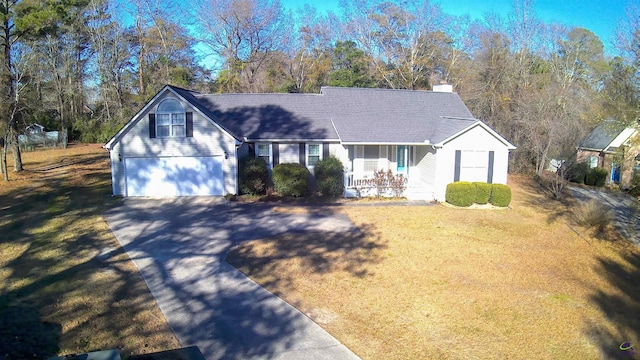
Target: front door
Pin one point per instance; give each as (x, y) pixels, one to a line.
(615, 173)
(402, 159)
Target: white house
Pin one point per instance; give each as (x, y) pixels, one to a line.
(184, 143)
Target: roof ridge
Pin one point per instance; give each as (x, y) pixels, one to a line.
(385, 89)
(259, 94)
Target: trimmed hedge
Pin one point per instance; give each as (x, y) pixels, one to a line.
(464, 194)
(291, 179)
(461, 193)
(500, 195)
(254, 176)
(483, 192)
(329, 174)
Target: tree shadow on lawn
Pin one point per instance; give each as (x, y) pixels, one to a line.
(621, 306)
(317, 252)
(179, 245)
(57, 293)
(574, 209)
(538, 195)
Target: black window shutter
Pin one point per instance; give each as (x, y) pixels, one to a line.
(456, 172)
(325, 150)
(252, 150)
(275, 151)
(302, 154)
(490, 171)
(152, 125)
(189, 124)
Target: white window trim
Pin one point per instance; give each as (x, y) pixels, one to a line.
(270, 147)
(171, 124)
(306, 155)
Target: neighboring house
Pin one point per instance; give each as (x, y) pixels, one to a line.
(34, 129)
(612, 147)
(35, 135)
(185, 143)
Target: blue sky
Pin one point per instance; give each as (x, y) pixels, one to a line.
(600, 16)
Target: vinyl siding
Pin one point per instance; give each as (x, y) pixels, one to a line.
(476, 138)
(207, 140)
(289, 153)
(426, 164)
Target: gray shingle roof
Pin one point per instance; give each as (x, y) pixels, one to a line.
(396, 116)
(600, 137)
(352, 115)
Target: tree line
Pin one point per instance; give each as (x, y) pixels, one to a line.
(88, 65)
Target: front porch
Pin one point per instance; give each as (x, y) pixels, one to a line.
(367, 187)
(404, 162)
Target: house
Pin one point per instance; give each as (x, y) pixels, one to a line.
(34, 129)
(611, 146)
(186, 143)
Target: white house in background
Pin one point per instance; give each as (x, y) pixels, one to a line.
(183, 143)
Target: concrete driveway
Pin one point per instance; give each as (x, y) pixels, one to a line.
(179, 246)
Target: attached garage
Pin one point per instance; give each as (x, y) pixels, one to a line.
(174, 176)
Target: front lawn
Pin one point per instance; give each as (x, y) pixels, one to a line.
(66, 286)
(440, 282)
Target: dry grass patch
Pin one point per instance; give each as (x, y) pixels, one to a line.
(441, 282)
(65, 284)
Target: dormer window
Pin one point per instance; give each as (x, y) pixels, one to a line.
(170, 119)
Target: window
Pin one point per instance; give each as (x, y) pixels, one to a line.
(170, 119)
(474, 165)
(263, 151)
(592, 161)
(371, 156)
(314, 154)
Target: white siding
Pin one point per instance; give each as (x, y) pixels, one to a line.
(477, 139)
(289, 153)
(426, 164)
(207, 140)
(340, 152)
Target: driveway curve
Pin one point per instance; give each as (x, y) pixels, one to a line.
(624, 209)
(179, 246)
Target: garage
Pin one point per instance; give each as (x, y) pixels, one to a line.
(174, 176)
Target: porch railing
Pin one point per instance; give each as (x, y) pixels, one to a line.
(365, 182)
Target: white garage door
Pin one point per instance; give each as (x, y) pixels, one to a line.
(174, 176)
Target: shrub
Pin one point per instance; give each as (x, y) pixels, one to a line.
(381, 180)
(483, 192)
(461, 193)
(590, 178)
(593, 215)
(577, 172)
(254, 176)
(500, 195)
(329, 175)
(600, 175)
(291, 179)
(398, 185)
